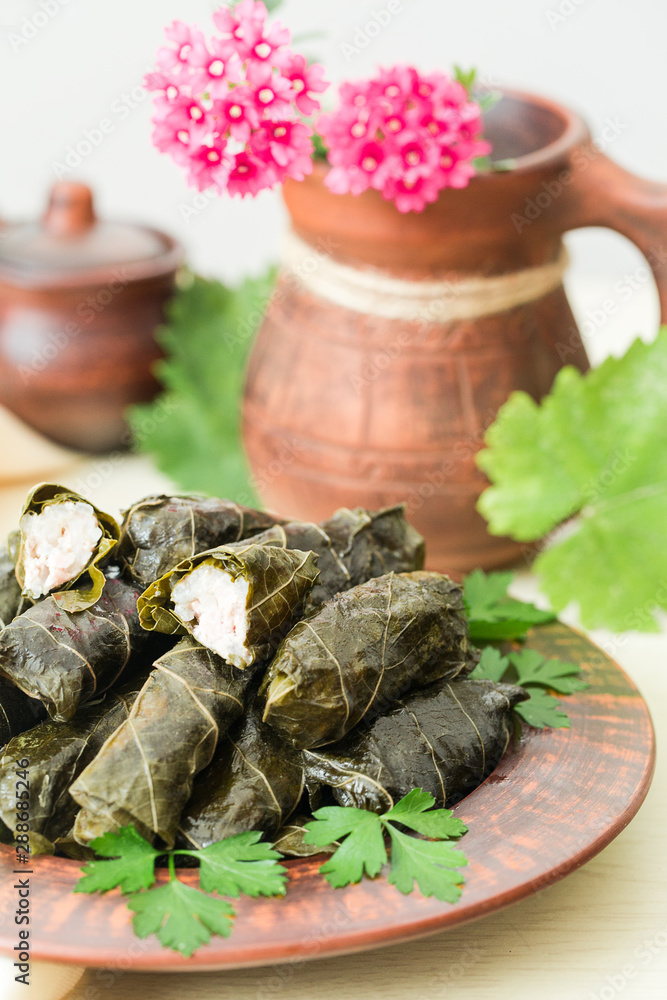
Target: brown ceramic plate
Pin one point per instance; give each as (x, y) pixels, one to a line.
(553, 802)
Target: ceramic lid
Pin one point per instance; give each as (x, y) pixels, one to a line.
(70, 246)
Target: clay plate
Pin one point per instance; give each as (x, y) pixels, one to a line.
(554, 801)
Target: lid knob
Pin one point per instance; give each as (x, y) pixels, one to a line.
(70, 210)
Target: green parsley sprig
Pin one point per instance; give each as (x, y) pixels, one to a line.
(431, 863)
(494, 615)
(537, 675)
(183, 918)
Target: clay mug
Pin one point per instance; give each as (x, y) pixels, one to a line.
(80, 300)
(391, 340)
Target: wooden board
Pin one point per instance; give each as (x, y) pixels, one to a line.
(553, 802)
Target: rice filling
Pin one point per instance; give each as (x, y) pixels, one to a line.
(212, 604)
(59, 543)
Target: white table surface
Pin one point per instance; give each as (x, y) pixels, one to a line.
(598, 934)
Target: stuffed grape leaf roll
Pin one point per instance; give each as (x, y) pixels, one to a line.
(254, 782)
(64, 543)
(289, 839)
(373, 543)
(66, 659)
(445, 738)
(352, 546)
(18, 712)
(144, 772)
(57, 753)
(238, 600)
(11, 599)
(159, 532)
(362, 650)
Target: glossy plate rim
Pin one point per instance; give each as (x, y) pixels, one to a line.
(521, 839)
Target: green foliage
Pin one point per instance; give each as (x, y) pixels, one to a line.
(241, 864)
(593, 452)
(534, 672)
(492, 614)
(192, 430)
(132, 867)
(182, 917)
(431, 864)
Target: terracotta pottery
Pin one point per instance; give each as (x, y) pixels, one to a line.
(392, 340)
(79, 302)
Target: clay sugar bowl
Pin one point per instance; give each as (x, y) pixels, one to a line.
(80, 299)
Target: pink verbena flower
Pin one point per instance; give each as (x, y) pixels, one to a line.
(306, 81)
(405, 134)
(228, 109)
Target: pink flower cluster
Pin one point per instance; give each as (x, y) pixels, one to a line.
(229, 109)
(406, 134)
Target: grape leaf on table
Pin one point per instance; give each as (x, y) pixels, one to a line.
(430, 863)
(192, 430)
(594, 450)
(492, 613)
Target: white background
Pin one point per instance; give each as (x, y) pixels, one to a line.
(603, 57)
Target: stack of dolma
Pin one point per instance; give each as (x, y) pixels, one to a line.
(208, 669)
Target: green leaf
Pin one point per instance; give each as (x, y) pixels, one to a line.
(192, 430)
(182, 917)
(362, 851)
(133, 869)
(533, 668)
(240, 864)
(430, 863)
(492, 614)
(412, 812)
(466, 77)
(542, 710)
(491, 667)
(593, 450)
(483, 591)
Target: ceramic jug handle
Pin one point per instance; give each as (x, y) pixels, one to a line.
(603, 194)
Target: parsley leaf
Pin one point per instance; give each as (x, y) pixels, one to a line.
(533, 672)
(492, 613)
(415, 811)
(430, 863)
(132, 869)
(542, 710)
(192, 430)
(362, 851)
(593, 451)
(492, 665)
(240, 864)
(183, 918)
(532, 668)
